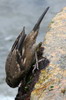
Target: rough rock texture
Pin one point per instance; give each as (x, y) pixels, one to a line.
(52, 80)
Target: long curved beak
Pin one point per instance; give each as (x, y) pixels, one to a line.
(40, 20)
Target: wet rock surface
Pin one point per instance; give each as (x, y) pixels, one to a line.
(51, 84)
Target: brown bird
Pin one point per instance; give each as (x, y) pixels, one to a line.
(22, 54)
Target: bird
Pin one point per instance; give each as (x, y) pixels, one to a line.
(29, 50)
(22, 55)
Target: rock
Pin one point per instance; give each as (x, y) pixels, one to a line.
(52, 80)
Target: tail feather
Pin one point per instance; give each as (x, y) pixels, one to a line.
(19, 40)
(40, 19)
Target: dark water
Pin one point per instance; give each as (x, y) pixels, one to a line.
(14, 14)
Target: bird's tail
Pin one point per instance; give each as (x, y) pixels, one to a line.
(40, 19)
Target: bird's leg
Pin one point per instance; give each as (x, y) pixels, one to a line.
(36, 65)
(36, 57)
(37, 49)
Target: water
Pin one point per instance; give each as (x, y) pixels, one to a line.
(14, 14)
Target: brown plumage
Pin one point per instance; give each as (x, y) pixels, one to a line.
(22, 54)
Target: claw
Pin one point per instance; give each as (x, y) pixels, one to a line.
(34, 68)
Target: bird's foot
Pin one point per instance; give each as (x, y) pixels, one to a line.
(36, 66)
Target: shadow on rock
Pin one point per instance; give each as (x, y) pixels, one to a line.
(29, 81)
